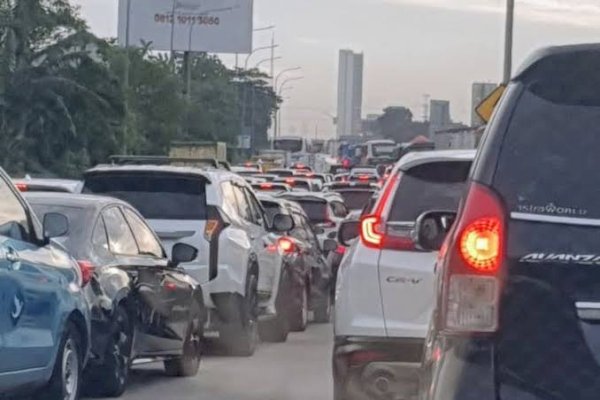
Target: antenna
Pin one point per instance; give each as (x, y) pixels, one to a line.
(426, 98)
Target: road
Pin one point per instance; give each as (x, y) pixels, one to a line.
(299, 369)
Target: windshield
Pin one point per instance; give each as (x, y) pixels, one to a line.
(155, 196)
(386, 150)
(355, 199)
(291, 145)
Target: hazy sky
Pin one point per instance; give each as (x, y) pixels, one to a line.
(411, 47)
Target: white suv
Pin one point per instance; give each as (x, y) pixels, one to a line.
(384, 291)
(217, 212)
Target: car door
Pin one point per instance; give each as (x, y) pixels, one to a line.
(315, 254)
(176, 292)
(32, 281)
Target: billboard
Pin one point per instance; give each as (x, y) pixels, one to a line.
(215, 26)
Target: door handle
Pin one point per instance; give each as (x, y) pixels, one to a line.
(12, 256)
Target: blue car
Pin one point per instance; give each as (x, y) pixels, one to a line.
(44, 317)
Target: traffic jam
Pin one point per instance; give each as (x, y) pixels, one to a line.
(426, 261)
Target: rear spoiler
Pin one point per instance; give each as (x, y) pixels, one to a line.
(166, 160)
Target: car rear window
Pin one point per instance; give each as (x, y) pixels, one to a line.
(431, 186)
(547, 163)
(315, 210)
(154, 195)
(271, 209)
(355, 199)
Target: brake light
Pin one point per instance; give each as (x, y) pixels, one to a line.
(285, 245)
(22, 187)
(290, 181)
(363, 177)
(267, 185)
(371, 232)
(473, 258)
(211, 228)
(340, 249)
(87, 271)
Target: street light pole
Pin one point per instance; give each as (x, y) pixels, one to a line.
(508, 40)
(258, 64)
(278, 117)
(257, 50)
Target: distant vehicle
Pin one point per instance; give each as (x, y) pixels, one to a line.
(341, 177)
(291, 144)
(311, 288)
(299, 183)
(416, 146)
(245, 171)
(517, 302)
(48, 185)
(217, 212)
(254, 180)
(300, 167)
(273, 187)
(355, 194)
(384, 292)
(364, 174)
(266, 177)
(282, 172)
(127, 278)
(44, 316)
(380, 151)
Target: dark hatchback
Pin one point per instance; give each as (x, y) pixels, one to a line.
(517, 313)
(142, 304)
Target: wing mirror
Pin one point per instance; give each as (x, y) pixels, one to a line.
(348, 231)
(55, 225)
(329, 245)
(282, 223)
(431, 229)
(183, 253)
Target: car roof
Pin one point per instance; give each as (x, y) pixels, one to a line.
(414, 159)
(208, 174)
(87, 201)
(327, 196)
(381, 141)
(67, 184)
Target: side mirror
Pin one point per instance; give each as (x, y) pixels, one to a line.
(432, 227)
(282, 223)
(55, 225)
(183, 253)
(329, 245)
(348, 231)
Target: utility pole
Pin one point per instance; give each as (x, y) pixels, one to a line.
(508, 40)
(126, 77)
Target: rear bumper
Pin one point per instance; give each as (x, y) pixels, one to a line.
(376, 367)
(229, 279)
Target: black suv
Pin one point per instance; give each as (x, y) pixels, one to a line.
(518, 303)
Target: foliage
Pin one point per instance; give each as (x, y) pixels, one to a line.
(65, 104)
(397, 123)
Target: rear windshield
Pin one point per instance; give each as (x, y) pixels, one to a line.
(383, 150)
(155, 196)
(271, 209)
(315, 210)
(548, 162)
(355, 199)
(432, 186)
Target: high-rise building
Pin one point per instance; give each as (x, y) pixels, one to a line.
(439, 116)
(479, 92)
(350, 82)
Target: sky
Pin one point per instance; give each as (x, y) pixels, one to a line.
(412, 48)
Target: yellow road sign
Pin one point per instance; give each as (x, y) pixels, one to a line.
(485, 109)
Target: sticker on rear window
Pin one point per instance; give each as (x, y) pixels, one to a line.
(551, 208)
(564, 258)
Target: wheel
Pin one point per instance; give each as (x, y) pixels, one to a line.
(299, 311)
(65, 382)
(277, 329)
(188, 364)
(323, 309)
(110, 378)
(241, 336)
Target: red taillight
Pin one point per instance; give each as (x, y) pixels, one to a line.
(340, 249)
(290, 181)
(371, 231)
(87, 271)
(22, 187)
(364, 177)
(267, 185)
(286, 245)
(473, 258)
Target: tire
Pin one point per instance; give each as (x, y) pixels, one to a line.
(299, 311)
(189, 363)
(110, 378)
(277, 329)
(322, 312)
(241, 337)
(65, 383)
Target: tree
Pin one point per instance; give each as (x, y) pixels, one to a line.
(396, 123)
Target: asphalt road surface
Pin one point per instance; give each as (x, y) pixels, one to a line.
(299, 369)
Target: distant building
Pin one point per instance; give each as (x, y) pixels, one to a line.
(439, 116)
(350, 83)
(460, 137)
(478, 93)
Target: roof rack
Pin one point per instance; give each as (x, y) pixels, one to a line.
(166, 160)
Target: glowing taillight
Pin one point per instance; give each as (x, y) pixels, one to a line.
(22, 187)
(480, 244)
(87, 271)
(364, 177)
(370, 231)
(286, 245)
(290, 181)
(267, 185)
(340, 249)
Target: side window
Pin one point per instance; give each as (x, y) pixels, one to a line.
(13, 218)
(99, 238)
(255, 208)
(144, 237)
(339, 209)
(120, 238)
(229, 201)
(243, 206)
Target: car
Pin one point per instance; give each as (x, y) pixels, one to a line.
(298, 183)
(355, 194)
(523, 247)
(245, 171)
(306, 258)
(254, 180)
(275, 187)
(343, 177)
(267, 177)
(325, 211)
(282, 172)
(364, 174)
(143, 306)
(378, 151)
(217, 212)
(44, 316)
(385, 283)
(48, 185)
